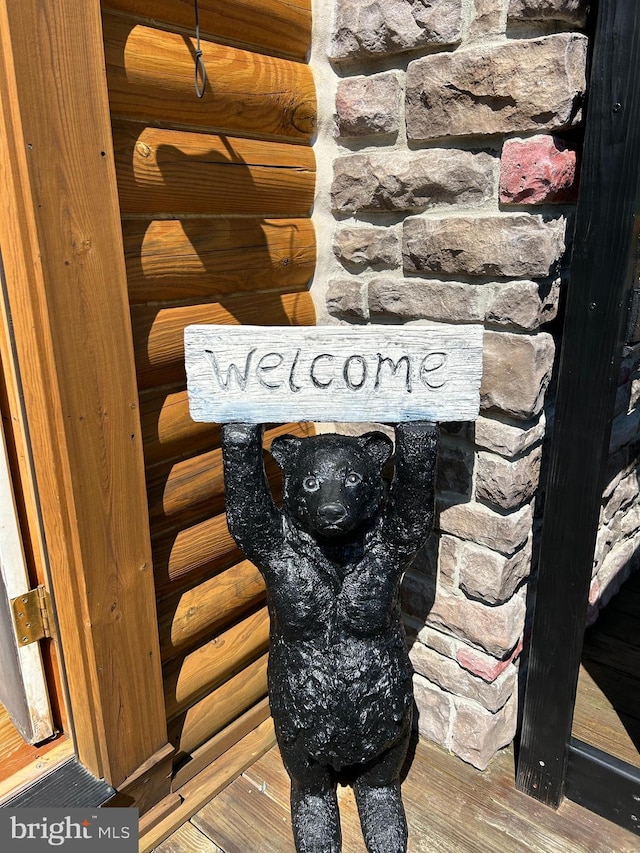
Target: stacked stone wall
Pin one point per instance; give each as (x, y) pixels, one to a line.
(448, 152)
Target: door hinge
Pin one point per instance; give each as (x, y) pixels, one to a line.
(32, 616)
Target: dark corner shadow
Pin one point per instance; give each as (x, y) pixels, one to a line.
(611, 652)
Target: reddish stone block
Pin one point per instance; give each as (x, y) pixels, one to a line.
(537, 170)
(480, 665)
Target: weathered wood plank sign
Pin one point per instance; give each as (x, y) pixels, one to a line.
(262, 374)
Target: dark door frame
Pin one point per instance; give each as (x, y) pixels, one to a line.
(550, 763)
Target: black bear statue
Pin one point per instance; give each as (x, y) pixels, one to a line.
(332, 557)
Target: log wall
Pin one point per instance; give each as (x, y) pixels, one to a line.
(215, 197)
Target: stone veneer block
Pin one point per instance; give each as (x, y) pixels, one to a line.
(373, 28)
(495, 629)
(630, 363)
(487, 20)
(517, 245)
(411, 180)
(525, 304)
(521, 86)
(436, 640)
(447, 674)
(522, 304)
(415, 299)
(625, 493)
(508, 439)
(507, 483)
(481, 573)
(476, 661)
(539, 170)
(417, 592)
(367, 106)
(625, 429)
(517, 371)
(634, 393)
(574, 12)
(346, 299)
(477, 734)
(435, 710)
(482, 664)
(622, 559)
(503, 532)
(359, 247)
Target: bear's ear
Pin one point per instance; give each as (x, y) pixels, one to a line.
(377, 445)
(284, 448)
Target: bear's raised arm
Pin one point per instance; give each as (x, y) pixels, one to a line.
(252, 517)
(408, 518)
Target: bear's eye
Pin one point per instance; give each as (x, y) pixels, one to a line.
(352, 479)
(311, 484)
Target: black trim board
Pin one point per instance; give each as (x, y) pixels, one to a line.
(604, 784)
(601, 277)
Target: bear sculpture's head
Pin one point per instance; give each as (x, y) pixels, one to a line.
(332, 484)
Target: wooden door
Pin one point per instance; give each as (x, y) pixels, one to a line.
(67, 355)
(23, 686)
(551, 763)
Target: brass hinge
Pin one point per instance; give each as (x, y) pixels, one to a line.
(32, 616)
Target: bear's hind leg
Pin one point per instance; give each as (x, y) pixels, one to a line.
(314, 803)
(377, 793)
(382, 817)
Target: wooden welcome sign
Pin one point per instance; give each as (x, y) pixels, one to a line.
(267, 374)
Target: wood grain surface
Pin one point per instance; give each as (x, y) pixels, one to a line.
(188, 615)
(150, 75)
(168, 171)
(199, 258)
(158, 332)
(451, 808)
(188, 679)
(187, 731)
(259, 375)
(66, 284)
(278, 27)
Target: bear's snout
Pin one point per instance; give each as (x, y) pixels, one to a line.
(332, 513)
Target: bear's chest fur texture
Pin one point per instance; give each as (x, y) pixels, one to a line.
(339, 672)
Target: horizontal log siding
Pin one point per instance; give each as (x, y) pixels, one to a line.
(189, 678)
(162, 171)
(201, 721)
(158, 331)
(215, 197)
(187, 616)
(199, 549)
(180, 487)
(150, 74)
(277, 27)
(200, 258)
(167, 429)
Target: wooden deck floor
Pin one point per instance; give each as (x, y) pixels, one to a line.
(607, 711)
(451, 808)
